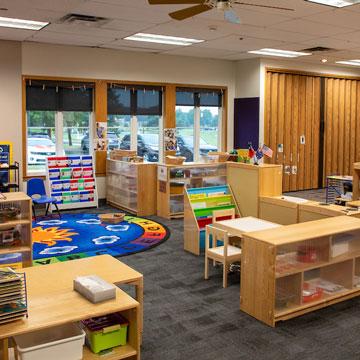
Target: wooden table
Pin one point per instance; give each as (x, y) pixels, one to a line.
(52, 301)
(239, 226)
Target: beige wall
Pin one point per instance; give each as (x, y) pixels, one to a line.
(72, 61)
(10, 95)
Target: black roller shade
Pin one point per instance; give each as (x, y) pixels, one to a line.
(119, 101)
(134, 100)
(59, 96)
(149, 102)
(198, 97)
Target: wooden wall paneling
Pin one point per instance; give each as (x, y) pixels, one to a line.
(309, 119)
(288, 129)
(267, 111)
(328, 126)
(353, 124)
(281, 119)
(335, 128)
(315, 141)
(301, 132)
(294, 137)
(357, 144)
(341, 124)
(346, 131)
(274, 114)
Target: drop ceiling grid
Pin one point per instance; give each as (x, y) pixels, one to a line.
(308, 26)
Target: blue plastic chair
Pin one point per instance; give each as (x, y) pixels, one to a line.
(36, 190)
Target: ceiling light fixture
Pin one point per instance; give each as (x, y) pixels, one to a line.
(324, 61)
(335, 3)
(349, 62)
(280, 53)
(22, 24)
(163, 39)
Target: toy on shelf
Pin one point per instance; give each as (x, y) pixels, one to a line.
(71, 181)
(199, 206)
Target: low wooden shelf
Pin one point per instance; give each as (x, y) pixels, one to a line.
(299, 268)
(131, 186)
(193, 175)
(23, 203)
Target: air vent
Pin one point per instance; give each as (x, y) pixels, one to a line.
(87, 20)
(318, 49)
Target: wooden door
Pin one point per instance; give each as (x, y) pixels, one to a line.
(342, 126)
(292, 127)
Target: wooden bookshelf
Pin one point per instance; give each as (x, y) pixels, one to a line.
(199, 206)
(174, 179)
(131, 186)
(356, 176)
(299, 268)
(22, 222)
(248, 182)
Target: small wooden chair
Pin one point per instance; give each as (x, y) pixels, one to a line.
(225, 254)
(217, 214)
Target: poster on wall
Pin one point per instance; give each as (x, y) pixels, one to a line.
(100, 136)
(5, 161)
(170, 142)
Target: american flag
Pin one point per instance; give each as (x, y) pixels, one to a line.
(267, 151)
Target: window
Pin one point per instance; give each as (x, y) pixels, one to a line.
(198, 122)
(135, 118)
(58, 121)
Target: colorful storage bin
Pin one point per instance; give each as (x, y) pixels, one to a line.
(105, 332)
(13, 260)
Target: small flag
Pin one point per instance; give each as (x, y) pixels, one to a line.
(267, 151)
(259, 154)
(251, 153)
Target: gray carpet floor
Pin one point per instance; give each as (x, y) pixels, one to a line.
(189, 318)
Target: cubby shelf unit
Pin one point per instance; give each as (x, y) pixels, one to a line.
(295, 269)
(199, 206)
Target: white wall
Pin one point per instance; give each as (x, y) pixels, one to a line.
(10, 96)
(247, 78)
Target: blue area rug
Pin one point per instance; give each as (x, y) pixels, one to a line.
(76, 236)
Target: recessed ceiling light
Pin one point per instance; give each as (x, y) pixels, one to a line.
(349, 62)
(336, 3)
(324, 61)
(280, 53)
(163, 39)
(22, 24)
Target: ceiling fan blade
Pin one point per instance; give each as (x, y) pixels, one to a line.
(264, 6)
(189, 12)
(231, 16)
(175, 2)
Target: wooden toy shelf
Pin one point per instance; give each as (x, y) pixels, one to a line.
(295, 269)
(131, 186)
(199, 206)
(174, 179)
(22, 223)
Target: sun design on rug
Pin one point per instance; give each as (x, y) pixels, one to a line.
(52, 235)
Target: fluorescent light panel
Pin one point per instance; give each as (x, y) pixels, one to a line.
(349, 62)
(22, 24)
(280, 53)
(336, 3)
(162, 39)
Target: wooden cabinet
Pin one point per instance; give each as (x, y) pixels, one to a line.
(299, 268)
(313, 210)
(174, 179)
(20, 225)
(131, 186)
(356, 175)
(248, 182)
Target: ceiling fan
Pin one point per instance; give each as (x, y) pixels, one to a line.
(206, 5)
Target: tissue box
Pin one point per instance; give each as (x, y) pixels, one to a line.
(94, 288)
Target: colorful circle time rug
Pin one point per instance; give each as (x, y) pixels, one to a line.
(76, 236)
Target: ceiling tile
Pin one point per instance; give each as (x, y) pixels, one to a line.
(200, 52)
(14, 34)
(311, 27)
(142, 45)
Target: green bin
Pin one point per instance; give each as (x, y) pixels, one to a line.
(106, 332)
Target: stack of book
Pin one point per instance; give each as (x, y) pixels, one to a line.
(13, 301)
